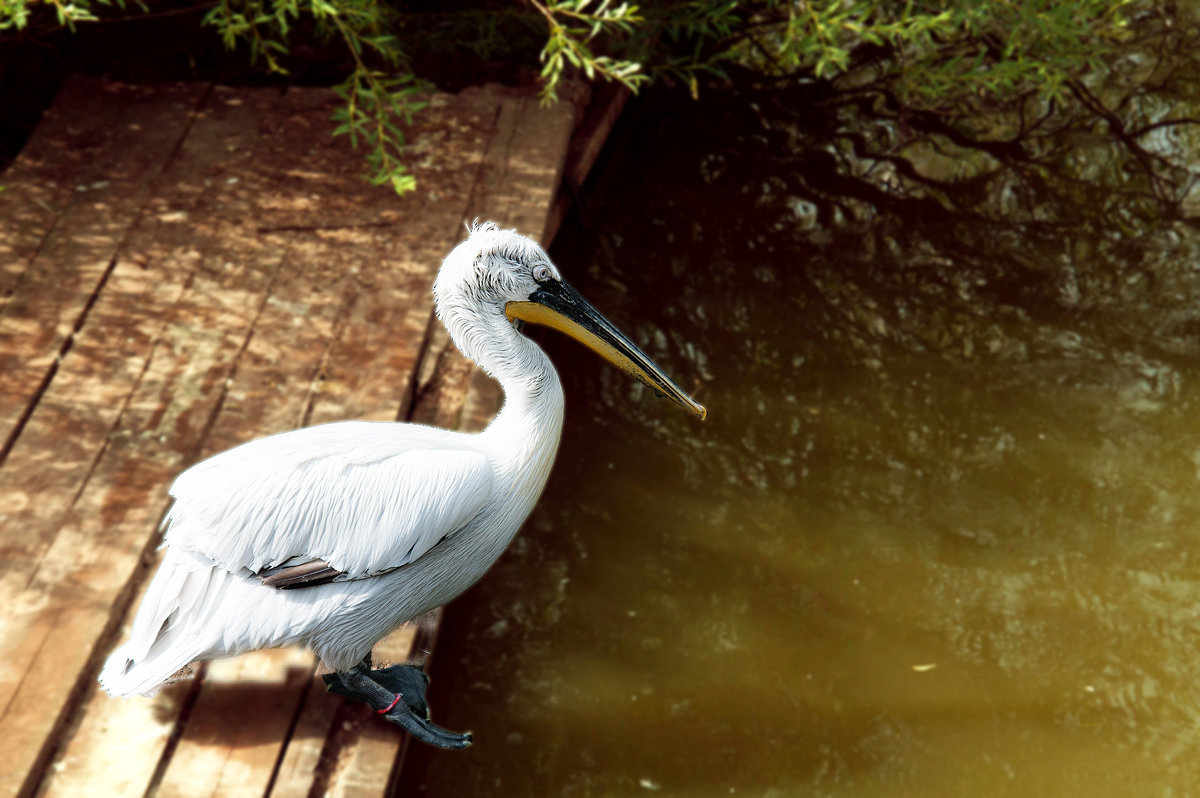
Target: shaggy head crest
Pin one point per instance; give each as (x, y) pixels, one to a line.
(487, 270)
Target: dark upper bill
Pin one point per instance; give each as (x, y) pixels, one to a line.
(556, 304)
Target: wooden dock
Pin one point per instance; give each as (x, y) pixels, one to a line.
(184, 267)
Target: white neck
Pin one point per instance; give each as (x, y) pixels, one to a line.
(524, 436)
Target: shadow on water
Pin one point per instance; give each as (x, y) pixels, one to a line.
(937, 535)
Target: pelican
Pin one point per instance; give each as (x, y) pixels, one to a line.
(332, 536)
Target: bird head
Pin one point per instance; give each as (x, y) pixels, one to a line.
(492, 267)
(498, 272)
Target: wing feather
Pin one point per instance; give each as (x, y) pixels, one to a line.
(306, 574)
(364, 497)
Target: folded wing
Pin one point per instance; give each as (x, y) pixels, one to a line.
(361, 498)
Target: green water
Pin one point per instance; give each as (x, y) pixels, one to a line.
(938, 536)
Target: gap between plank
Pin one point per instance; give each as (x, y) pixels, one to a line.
(70, 713)
(95, 296)
(185, 712)
(291, 729)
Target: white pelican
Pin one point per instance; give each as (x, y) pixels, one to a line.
(332, 536)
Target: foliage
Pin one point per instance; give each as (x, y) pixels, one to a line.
(16, 13)
(934, 52)
(937, 55)
(381, 89)
(572, 28)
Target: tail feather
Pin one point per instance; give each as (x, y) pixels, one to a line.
(125, 677)
(161, 645)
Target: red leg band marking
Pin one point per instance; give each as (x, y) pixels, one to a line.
(391, 705)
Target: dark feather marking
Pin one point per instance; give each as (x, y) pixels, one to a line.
(309, 574)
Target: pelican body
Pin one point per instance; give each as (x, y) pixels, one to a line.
(332, 536)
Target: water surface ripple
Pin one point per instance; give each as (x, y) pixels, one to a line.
(939, 534)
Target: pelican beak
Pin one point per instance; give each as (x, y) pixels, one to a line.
(556, 304)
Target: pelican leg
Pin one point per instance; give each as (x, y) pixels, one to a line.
(397, 693)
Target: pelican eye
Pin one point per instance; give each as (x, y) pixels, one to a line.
(542, 273)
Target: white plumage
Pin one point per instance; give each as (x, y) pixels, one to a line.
(364, 497)
(406, 516)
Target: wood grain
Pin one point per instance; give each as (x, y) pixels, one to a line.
(225, 274)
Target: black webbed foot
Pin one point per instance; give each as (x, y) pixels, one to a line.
(408, 681)
(397, 693)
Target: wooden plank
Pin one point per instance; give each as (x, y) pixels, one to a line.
(368, 755)
(231, 743)
(360, 375)
(481, 399)
(268, 393)
(122, 166)
(282, 360)
(77, 156)
(166, 251)
(299, 767)
(369, 752)
(94, 554)
(77, 563)
(363, 366)
(145, 310)
(367, 746)
(54, 169)
(113, 472)
(359, 381)
(258, 386)
(524, 165)
(518, 178)
(83, 557)
(73, 421)
(271, 394)
(302, 310)
(117, 744)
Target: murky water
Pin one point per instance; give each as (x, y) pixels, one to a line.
(940, 534)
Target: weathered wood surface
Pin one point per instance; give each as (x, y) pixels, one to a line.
(185, 268)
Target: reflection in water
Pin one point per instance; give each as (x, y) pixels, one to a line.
(937, 535)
